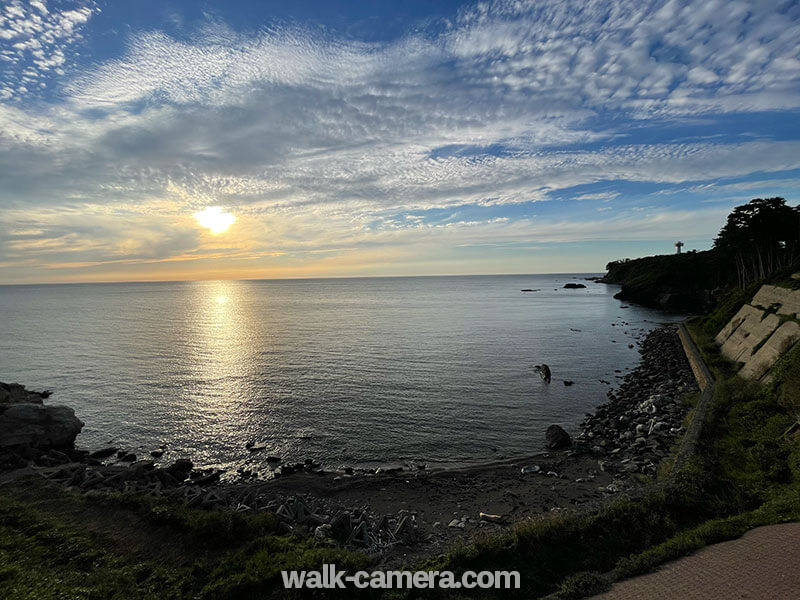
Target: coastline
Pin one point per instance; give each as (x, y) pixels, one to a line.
(398, 514)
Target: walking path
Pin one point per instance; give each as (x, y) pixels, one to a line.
(763, 564)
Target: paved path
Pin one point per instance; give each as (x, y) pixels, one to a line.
(763, 564)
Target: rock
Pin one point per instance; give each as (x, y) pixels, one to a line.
(567, 382)
(180, 469)
(143, 465)
(104, 452)
(573, 286)
(58, 458)
(531, 469)
(157, 453)
(556, 438)
(128, 457)
(490, 518)
(212, 477)
(273, 459)
(15, 393)
(323, 532)
(34, 424)
(544, 372)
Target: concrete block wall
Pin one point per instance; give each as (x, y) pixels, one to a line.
(762, 331)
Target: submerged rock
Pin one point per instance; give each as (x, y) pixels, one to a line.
(573, 286)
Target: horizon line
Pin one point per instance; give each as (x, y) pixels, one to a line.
(299, 278)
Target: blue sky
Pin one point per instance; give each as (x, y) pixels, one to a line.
(384, 138)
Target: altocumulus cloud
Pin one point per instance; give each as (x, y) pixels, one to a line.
(323, 144)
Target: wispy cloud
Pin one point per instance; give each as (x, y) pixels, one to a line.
(324, 142)
(36, 42)
(598, 196)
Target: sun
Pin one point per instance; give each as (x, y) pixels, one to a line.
(215, 218)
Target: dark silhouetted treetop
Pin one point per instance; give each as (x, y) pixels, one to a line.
(760, 238)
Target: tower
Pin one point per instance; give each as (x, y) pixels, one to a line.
(679, 245)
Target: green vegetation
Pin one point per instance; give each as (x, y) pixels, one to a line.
(787, 375)
(759, 239)
(580, 585)
(58, 544)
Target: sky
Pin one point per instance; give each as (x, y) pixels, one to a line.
(172, 140)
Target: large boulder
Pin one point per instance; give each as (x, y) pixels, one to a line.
(32, 424)
(556, 438)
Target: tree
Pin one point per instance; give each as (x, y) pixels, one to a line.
(760, 238)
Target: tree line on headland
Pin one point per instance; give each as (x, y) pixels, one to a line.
(760, 240)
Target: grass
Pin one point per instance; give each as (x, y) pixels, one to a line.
(60, 545)
(727, 306)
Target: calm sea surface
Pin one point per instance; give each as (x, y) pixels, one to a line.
(347, 371)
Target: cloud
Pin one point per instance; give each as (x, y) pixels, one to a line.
(36, 42)
(320, 142)
(598, 196)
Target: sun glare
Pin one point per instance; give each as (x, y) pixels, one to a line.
(215, 218)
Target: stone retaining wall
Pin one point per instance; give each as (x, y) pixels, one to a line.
(705, 382)
(762, 331)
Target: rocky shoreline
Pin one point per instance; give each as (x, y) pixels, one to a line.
(395, 512)
(643, 419)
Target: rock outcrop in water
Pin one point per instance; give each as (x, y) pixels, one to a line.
(26, 422)
(544, 372)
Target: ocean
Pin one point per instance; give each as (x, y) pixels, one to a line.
(350, 372)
